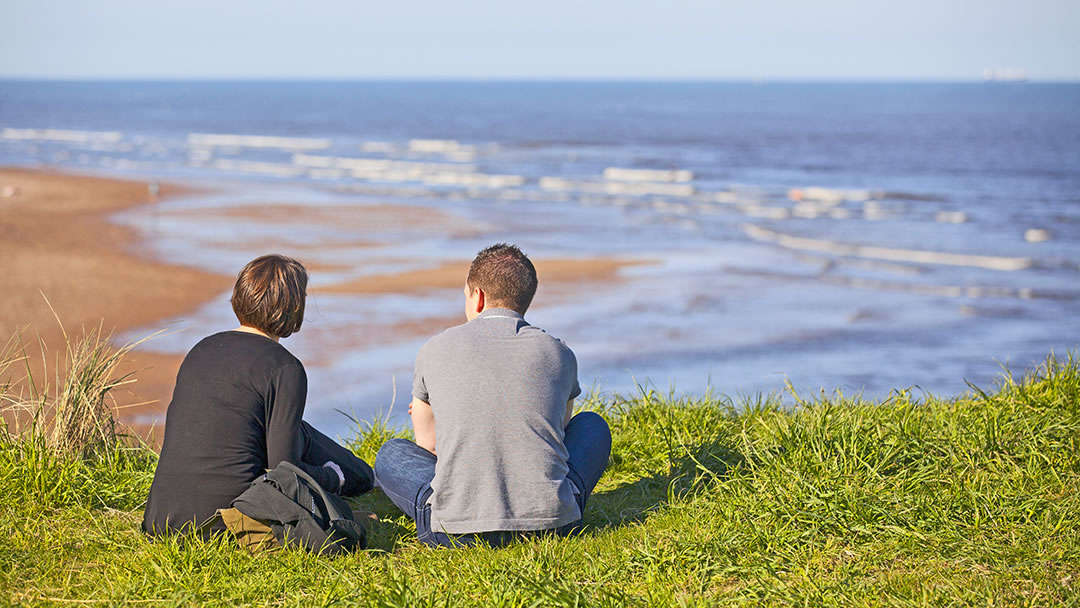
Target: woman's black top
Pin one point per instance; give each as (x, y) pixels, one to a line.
(235, 412)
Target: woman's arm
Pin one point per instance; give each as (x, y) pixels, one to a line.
(284, 414)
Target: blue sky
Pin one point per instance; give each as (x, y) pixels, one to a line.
(681, 39)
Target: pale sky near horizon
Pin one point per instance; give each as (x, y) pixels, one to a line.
(610, 39)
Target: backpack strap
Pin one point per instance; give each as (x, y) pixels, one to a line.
(331, 510)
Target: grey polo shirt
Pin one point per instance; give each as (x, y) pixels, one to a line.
(498, 388)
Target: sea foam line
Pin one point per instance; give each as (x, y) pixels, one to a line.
(615, 187)
(887, 253)
(61, 135)
(226, 140)
(647, 175)
(376, 165)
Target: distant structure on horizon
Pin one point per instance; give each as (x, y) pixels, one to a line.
(1004, 74)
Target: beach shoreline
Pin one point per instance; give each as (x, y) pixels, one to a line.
(62, 242)
(66, 262)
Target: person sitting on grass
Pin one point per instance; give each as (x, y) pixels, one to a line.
(237, 410)
(497, 454)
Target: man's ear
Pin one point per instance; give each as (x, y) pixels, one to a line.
(481, 301)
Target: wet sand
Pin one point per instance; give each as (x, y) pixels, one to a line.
(452, 274)
(56, 239)
(352, 217)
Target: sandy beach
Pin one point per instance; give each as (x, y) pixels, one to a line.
(59, 242)
(452, 274)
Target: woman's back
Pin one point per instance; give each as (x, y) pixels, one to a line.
(235, 412)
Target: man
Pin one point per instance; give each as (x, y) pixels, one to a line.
(497, 454)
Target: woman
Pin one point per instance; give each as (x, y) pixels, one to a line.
(237, 410)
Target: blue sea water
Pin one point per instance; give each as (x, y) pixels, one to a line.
(857, 236)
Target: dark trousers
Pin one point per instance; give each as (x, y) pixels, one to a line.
(319, 449)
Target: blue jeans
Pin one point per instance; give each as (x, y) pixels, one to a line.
(405, 471)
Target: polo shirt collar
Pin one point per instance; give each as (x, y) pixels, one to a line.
(499, 312)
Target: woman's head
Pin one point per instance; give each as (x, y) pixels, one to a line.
(269, 295)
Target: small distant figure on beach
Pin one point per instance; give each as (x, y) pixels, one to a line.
(238, 410)
(498, 455)
(153, 188)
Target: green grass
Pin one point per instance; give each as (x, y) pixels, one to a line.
(914, 500)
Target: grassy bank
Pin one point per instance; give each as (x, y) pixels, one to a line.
(914, 500)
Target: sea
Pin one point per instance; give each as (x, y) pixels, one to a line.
(789, 238)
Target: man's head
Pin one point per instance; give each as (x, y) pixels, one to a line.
(501, 276)
(269, 295)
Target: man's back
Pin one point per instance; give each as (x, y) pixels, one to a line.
(498, 389)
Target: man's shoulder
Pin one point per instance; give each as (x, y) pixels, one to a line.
(447, 338)
(448, 335)
(455, 337)
(554, 343)
(544, 337)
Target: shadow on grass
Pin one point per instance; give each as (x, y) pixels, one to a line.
(393, 528)
(689, 472)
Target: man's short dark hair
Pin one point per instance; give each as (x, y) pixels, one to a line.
(269, 295)
(505, 275)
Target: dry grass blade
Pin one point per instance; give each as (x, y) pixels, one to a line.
(15, 406)
(81, 415)
(78, 415)
(9, 355)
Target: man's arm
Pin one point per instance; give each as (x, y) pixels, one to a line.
(569, 413)
(423, 421)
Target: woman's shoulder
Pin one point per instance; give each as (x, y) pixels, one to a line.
(240, 345)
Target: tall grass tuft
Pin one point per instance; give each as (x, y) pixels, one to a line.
(61, 444)
(82, 418)
(9, 356)
(74, 416)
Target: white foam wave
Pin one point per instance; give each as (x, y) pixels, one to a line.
(947, 291)
(446, 147)
(951, 217)
(482, 180)
(832, 196)
(887, 253)
(726, 198)
(383, 170)
(225, 140)
(1037, 235)
(630, 188)
(771, 213)
(434, 145)
(647, 175)
(62, 135)
(376, 166)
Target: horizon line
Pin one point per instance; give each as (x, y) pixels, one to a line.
(536, 79)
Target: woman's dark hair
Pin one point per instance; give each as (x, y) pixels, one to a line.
(269, 295)
(505, 275)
